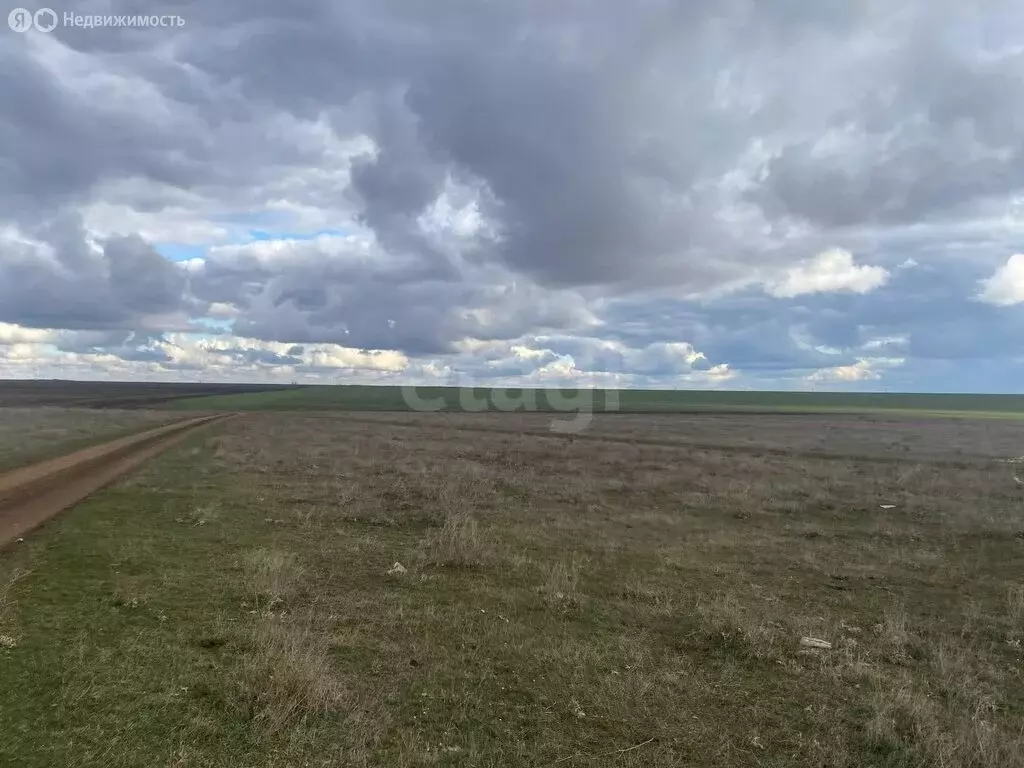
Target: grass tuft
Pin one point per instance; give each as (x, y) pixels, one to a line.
(460, 542)
(727, 623)
(285, 678)
(954, 724)
(561, 587)
(273, 577)
(1015, 605)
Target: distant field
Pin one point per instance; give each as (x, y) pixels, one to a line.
(626, 401)
(110, 394)
(258, 397)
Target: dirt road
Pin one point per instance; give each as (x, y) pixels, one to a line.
(30, 495)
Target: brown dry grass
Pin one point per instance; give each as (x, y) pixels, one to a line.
(273, 577)
(459, 542)
(618, 599)
(285, 677)
(701, 556)
(1015, 604)
(8, 620)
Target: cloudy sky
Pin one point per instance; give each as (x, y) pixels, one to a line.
(672, 193)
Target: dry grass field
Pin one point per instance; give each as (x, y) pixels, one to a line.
(632, 596)
(27, 434)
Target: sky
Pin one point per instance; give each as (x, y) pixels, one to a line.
(734, 194)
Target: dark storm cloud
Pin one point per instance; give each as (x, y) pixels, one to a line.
(141, 280)
(941, 134)
(601, 129)
(58, 280)
(422, 318)
(62, 137)
(346, 291)
(614, 147)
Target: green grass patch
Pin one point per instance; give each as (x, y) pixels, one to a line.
(389, 398)
(28, 435)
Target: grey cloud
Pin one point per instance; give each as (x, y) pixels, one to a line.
(65, 283)
(615, 147)
(342, 294)
(260, 356)
(922, 316)
(600, 354)
(401, 181)
(130, 346)
(749, 333)
(600, 129)
(597, 156)
(141, 279)
(86, 341)
(514, 366)
(940, 137)
(65, 138)
(419, 318)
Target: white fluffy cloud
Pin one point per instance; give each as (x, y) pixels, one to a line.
(830, 271)
(1006, 286)
(15, 334)
(44, 351)
(865, 369)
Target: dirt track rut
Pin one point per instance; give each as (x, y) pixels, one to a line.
(33, 494)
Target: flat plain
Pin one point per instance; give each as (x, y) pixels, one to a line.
(30, 434)
(394, 398)
(634, 595)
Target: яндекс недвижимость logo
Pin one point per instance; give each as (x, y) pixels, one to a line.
(22, 20)
(47, 19)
